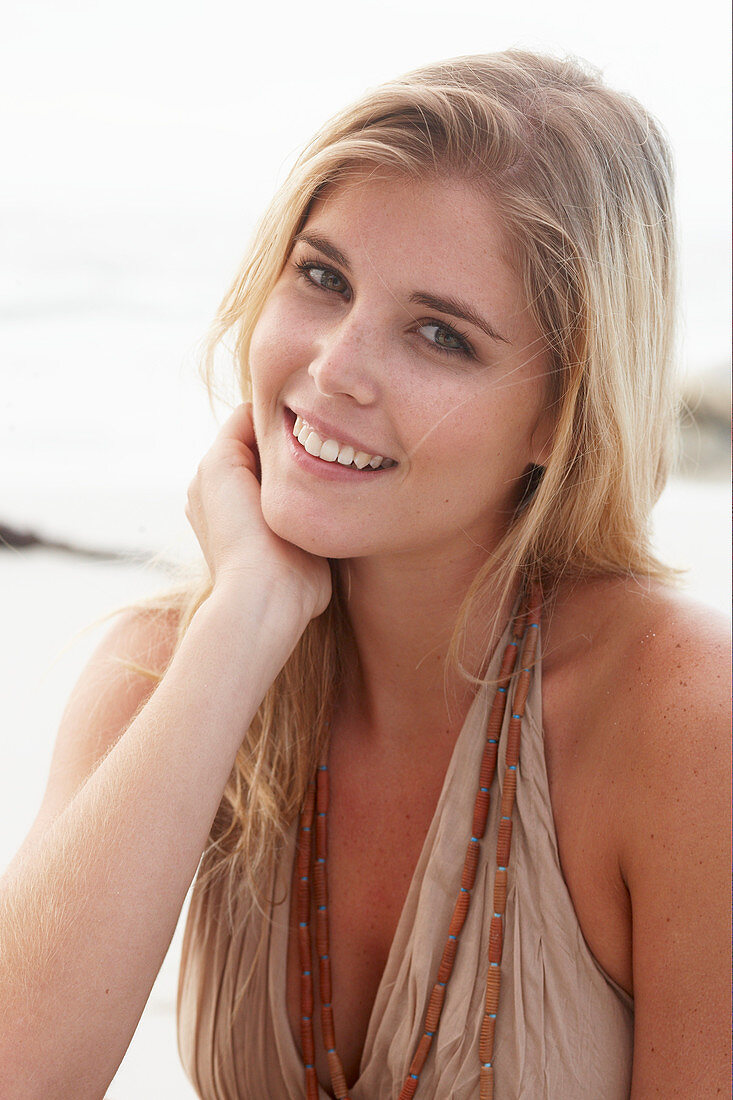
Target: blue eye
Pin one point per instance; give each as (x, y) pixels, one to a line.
(324, 277)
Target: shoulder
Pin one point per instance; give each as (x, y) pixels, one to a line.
(645, 651)
(114, 685)
(643, 672)
(649, 670)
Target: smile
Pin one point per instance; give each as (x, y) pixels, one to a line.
(331, 450)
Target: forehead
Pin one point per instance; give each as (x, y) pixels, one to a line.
(411, 229)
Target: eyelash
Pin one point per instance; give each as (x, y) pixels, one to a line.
(304, 267)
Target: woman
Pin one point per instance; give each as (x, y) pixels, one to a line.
(454, 333)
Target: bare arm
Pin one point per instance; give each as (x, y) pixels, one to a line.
(676, 861)
(89, 905)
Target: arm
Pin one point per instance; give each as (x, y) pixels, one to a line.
(676, 861)
(89, 905)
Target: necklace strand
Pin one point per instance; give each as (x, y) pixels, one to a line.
(525, 625)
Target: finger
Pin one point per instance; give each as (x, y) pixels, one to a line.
(239, 425)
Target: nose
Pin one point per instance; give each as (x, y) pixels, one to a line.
(345, 363)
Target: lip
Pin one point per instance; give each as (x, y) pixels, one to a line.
(331, 471)
(327, 431)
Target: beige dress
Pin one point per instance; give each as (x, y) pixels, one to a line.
(564, 1029)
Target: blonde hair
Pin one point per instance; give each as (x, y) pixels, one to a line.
(582, 177)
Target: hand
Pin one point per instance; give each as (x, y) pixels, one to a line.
(224, 510)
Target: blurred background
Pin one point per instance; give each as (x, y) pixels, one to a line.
(141, 142)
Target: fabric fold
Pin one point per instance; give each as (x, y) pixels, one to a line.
(564, 1028)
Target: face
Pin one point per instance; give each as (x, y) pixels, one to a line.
(397, 329)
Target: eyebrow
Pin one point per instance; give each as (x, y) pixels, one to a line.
(455, 307)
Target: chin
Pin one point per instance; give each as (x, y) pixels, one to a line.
(306, 529)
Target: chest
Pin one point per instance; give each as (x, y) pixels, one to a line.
(377, 826)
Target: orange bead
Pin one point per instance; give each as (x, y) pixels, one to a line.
(505, 842)
(496, 939)
(446, 963)
(514, 734)
(470, 863)
(306, 994)
(486, 1089)
(306, 1039)
(500, 890)
(327, 1026)
(486, 1040)
(508, 792)
(322, 792)
(493, 985)
(488, 766)
(408, 1089)
(480, 813)
(423, 1049)
(521, 691)
(459, 914)
(324, 977)
(311, 1084)
(435, 1006)
(338, 1080)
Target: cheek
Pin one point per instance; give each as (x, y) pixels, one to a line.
(277, 347)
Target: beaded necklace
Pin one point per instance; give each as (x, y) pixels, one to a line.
(524, 627)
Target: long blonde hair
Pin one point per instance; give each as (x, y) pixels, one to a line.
(582, 177)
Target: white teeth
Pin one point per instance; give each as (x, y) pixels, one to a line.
(332, 451)
(313, 444)
(329, 450)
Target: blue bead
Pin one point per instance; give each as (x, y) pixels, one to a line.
(303, 924)
(475, 839)
(516, 716)
(450, 937)
(503, 690)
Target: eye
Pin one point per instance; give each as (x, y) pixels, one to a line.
(446, 339)
(319, 275)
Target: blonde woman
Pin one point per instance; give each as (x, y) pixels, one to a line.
(450, 744)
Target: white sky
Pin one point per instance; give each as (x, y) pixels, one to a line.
(199, 105)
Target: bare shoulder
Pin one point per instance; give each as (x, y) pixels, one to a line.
(114, 685)
(642, 649)
(641, 673)
(649, 671)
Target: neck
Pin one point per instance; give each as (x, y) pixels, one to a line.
(403, 693)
